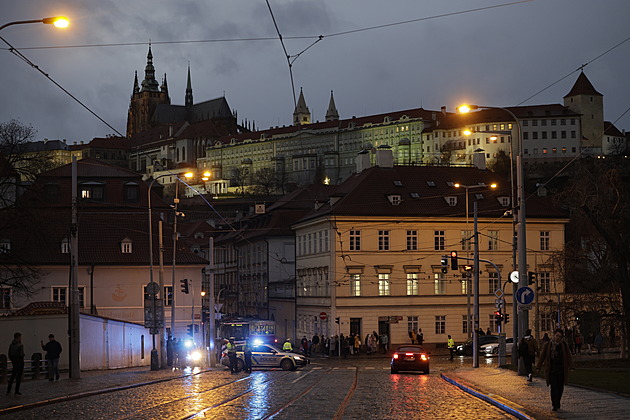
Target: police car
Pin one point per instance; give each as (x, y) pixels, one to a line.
(268, 356)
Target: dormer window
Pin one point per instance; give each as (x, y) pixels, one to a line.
(398, 183)
(505, 201)
(451, 200)
(5, 246)
(199, 235)
(65, 246)
(479, 196)
(431, 183)
(131, 191)
(125, 246)
(414, 195)
(92, 191)
(394, 199)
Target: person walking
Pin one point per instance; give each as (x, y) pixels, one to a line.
(420, 336)
(450, 343)
(556, 359)
(231, 352)
(16, 355)
(528, 349)
(53, 350)
(599, 340)
(384, 339)
(247, 354)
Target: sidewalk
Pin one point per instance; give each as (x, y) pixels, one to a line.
(41, 391)
(531, 400)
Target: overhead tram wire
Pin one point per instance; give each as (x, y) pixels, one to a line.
(286, 54)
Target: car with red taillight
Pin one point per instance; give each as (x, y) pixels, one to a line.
(410, 357)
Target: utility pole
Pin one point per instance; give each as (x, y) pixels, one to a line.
(73, 314)
(476, 291)
(212, 318)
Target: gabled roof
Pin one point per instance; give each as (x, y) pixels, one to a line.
(109, 143)
(582, 86)
(90, 167)
(611, 130)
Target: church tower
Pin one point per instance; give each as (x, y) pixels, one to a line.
(332, 114)
(585, 100)
(301, 115)
(145, 98)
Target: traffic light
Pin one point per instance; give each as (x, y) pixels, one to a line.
(497, 316)
(531, 277)
(184, 283)
(190, 329)
(468, 267)
(507, 318)
(453, 260)
(444, 264)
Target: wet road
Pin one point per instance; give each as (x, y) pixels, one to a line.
(326, 389)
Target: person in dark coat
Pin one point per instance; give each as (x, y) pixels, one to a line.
(556, 358)
(53, 350)
(16, 355)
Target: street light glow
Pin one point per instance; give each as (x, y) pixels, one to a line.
(58, 21)
(464, 109)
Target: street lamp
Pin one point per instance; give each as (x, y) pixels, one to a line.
(521, 321)
(475, 334)
(57, 21)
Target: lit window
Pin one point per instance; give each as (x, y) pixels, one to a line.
(412, 284)
(355, 285)
(65, 246)
(383, 284)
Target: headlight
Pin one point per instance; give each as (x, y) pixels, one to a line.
(195, 356)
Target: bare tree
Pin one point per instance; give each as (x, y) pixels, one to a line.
(240, 179)
(267, 182)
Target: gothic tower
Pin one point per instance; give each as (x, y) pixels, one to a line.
(585, 100)
(145, 99)
(301, 115)
(332, 114)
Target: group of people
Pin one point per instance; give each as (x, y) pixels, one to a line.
(416, 337)
(230, 348)
(16, 355)
(344, 345)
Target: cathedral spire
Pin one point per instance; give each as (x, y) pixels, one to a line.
(149, 83)
(188, 101)
(136, 89)
(301, 115)
(332, 114)
(164, 87)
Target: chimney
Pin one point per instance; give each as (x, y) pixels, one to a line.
(443, 109)
(384, 156)
(363, 160)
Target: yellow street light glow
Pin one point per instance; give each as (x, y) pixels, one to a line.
(58, 21)
(188, 175)
(207, 174)
(463, 109)
(467, 132)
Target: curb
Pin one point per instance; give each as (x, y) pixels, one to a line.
(497, 401)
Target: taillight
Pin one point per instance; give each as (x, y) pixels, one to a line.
(424, 357)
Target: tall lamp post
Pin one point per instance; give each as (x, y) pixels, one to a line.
(475, 334)
(57, 21)
(521, 321)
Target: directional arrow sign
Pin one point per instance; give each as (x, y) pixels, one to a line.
(525, 295)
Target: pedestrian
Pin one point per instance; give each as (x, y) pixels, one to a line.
(599, 340)
(304, 346)
(384, 339)
(578, 342)
(315, 347)
(287, 345)
(450, 343)
(420, 336)
(527, 349)
(412, 336)
(488, 332)
(556, 358)
(231, 352)
(590, 340)
(357, 344)
(53, 350)
(16, 355)
(247, 354)
(545, 338)
(169, 351)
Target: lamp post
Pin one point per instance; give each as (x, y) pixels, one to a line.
(57, 21)
(475, 334)
(521, 320)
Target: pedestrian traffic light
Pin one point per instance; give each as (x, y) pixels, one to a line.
(189, 327)
(444, 264)
(184, 283)
(453, 260)
(506, 318)
(531, 277)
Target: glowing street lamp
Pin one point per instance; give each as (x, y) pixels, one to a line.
(57, 21)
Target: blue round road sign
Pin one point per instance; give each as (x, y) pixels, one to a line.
(525, 295)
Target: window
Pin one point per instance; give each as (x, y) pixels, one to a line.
(544, 282)
(355, 284)
(466, 240)
(493, 240)
(466, 323)
(395, 200)
(355, 240)
(65, 246)
(5, 246)
(493, 282)
(59, 294)
(544, 241)
(547, 321)
(439, 284)
(535, 135)
(451, 200)
(412, 323)
(383, 284)
(125, 246)
(466, 284)
(412, 240)
(168, 295)
(92, 191)
(383, 240)
(412, 284)
(131, 191)
(525, 135)
(534, 123)
(554, 134)
(5, 298)
(563, 134)
(439, 240)
(440, 324)
(544, 135)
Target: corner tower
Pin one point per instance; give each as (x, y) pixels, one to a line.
(145, 99)
(585, 100)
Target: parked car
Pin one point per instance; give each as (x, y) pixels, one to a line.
(493, 348)
(466, 349)
(410, 357)
(266, 355)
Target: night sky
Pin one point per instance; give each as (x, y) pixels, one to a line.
(501, 54)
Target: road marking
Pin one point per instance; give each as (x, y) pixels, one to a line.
(301, 377)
